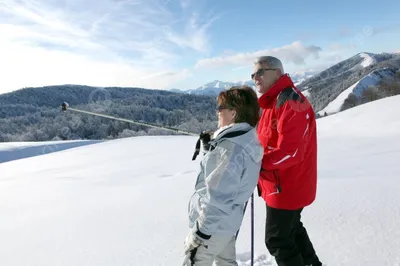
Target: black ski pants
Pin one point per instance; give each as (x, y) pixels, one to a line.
(287, 239)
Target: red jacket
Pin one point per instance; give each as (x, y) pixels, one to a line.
(287, 131)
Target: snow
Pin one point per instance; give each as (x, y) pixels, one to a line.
(368, 60)
(19, 150)
(306, 93)
(124, 202)
(357, 89)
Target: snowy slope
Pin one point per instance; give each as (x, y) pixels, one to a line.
(306, 93)
(213, 87)
(356, 89)
(124, 202)
(300, 76)
(368, 60)
(18, 150)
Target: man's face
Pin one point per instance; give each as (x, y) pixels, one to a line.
(264, 77)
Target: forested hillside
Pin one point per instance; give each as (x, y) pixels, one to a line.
(326, 86)
(34, 114)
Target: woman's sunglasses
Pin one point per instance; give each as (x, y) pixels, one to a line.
(222, 107)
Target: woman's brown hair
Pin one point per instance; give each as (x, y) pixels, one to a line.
(242, 99)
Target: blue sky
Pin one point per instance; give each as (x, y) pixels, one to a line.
(182, 44)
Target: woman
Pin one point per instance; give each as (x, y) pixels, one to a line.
(228, 175)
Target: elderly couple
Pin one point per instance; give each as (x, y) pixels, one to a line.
(274, 150)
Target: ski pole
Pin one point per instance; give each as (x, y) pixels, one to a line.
(252, 230)
(244, 211)
(65, 107)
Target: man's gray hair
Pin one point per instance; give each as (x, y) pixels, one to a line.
(271, 61)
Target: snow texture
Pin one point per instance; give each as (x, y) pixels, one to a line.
(357, 89)
(18, 150)
(124, 202)
(368, 60)
(306, 93)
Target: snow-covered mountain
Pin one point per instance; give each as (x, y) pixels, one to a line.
(124, 202)
(357, 89)
(324, 87)
(301, 76)
(216, 86)
(329, 89)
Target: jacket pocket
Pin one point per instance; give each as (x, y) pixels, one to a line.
(272, 184)
(277, 181)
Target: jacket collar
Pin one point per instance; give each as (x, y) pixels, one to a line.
(229, 128)
(283, 82)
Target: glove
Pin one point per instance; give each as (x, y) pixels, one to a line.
(205, 138)
(194, 239)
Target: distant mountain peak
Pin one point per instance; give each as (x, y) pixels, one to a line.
(369, 59)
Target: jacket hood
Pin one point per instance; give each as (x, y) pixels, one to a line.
(249, 141)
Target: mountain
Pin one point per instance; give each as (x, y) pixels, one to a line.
(213, 88)
(357, 89)
(34, 114)
(124, 202)
(301, 76)
(326, 86)
(337, 88)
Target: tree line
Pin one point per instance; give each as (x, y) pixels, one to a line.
(34, 114)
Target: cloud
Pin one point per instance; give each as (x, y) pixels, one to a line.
(94, 41)
(295, 53)
(194, 35)
(63, 67)
(386, 28)
(171, 74)
(185, 3)
(337, 47)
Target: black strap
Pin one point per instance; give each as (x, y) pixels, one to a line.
(227, 135)
(192, 256)
(234, 134)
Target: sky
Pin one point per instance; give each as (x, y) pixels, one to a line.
(183, 44)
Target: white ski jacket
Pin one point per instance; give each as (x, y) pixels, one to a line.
(228, 176)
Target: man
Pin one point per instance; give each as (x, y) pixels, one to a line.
(288, 177)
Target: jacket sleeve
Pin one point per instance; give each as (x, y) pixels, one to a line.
(222, 185)
(292, 127)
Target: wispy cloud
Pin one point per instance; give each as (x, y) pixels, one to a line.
(295, 53)
(138, 38)
(185, 3)
(194, 34)
(386, 28)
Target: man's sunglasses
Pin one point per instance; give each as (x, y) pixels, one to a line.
(261, 72)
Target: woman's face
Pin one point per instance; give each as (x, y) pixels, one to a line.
(225, 116)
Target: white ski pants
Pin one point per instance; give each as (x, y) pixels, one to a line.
(220, 251)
